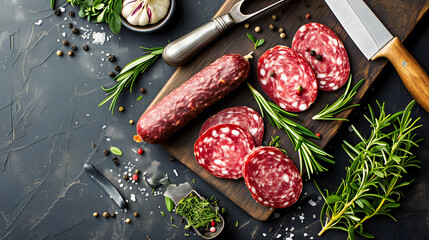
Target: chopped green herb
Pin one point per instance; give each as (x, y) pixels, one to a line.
(275, 142)
(193, 180)
(223, 211)
(162, 213)
(258, 42)
(197, 211)
(153, 191)
(186, 235)
(340, 105)
(169, 204)
(139, 97)
(173, 225)
(211, 198)
(171, 219)
(236, 223)
(116, 151)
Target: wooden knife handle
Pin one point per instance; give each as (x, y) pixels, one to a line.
(412, 74)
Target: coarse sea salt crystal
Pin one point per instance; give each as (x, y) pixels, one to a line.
(312, 203)
(175, 172)
(264, 234)
(62, 9)
(39, 22)
(133, 197)
(63, 34)
(279, 235)
(104, 126)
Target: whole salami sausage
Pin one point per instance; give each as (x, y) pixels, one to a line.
(325, 52)
(287, 78)
(271, 177)
(242, 116)
(184, 103)
(221, 150)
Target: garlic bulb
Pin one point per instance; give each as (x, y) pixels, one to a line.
(144, 12)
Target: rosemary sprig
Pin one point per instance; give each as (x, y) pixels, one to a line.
(129, 74)
(341, 104)
(375, 175)
(308, 152)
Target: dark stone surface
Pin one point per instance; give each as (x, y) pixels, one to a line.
(49, 117)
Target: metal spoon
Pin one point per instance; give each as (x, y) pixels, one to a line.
(183, 49)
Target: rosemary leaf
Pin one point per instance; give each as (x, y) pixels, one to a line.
(308, 152)
(341, 104)
(129, 74)
(378, 165)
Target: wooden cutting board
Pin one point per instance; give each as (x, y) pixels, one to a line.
(399, 16)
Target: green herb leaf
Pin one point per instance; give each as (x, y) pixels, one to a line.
(223, 210)
(114, 21)
(169, 204)
(236, 223)
(260, 42)
(251, 37)
(333, 199)
(139, 97)
(52, 4)
(116, 151)
(341, 104)
(117, 6)
(275, 142)
(162, 213)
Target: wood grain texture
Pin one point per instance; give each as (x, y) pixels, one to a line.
(399, 16)
(412, 74)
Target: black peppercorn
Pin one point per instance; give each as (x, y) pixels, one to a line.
(136, 214)
(70, 25)
(65, 43)
(85, 47)
(125, 177)
(272, 27)
(106, 152)
(71, 14)
(74, 48)
(113, 215)
(312, 53)
(106, 214)
(117, 68)
(172, 158)
(271, 229)
(111, 74)
(116, 163)
(75, 30)
(70, 53)
(271, 74)
(319, 57)
(111, 58)
(57, 12)
(142, 90)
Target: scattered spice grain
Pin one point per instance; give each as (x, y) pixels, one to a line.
(257, 29)
(95, 214)
(65, 42)
(59, 53)
(106, 215)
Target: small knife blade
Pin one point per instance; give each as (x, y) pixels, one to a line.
(105, 184)
(365, 29)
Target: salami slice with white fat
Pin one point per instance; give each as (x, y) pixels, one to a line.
(287, 78)
(329, 59)
(271, 177)
(221, 150)
(242, 116)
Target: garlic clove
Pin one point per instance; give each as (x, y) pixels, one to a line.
(144, 12)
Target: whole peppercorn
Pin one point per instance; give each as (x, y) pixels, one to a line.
(70, 25)
(65, 42)
(257, 29)
(318, 134)
(116, 163)
(70, 53)
(137, 171)
(213, 229)
(95, 214)
(142, 90)
(113, 215)
(106, 152)
(172, 158)
(274, 17)
(111, 58)
(213, 223)
(125, 177)
(281, 30)
(246, 25)
(57, 12)
(74, 48)
(71, 14)
(271, 229)
(272, 27)
(312, 52)
(140, 151)
(135, 177)
(85, 47)
(111, 74)
(271, 74)
(117, 68)
(136, 214)
(121, 109)
(319, 57)
(59, 53)
(282, 35)
(131, 122)
(106, 215)
(75, 30)
(128, 220)
(308, 16)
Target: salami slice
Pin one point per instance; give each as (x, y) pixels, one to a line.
(242, 116)
(221, 150)
(329, 59)
(271, 177)
(287, 78)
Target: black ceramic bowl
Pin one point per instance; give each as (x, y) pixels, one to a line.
(151, 27)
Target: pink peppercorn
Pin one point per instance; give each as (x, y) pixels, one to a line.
(308, 16)
(140, 151)
(135, 177)
(212, 229)
(318, 134)
(213, 224)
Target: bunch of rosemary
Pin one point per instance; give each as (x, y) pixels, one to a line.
(308, 152)
(129, 74)
(375, 175)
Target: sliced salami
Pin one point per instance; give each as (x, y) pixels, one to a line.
(287, 78)
(242, 116)
(325, 52)
(271, 177)
(221, 150)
